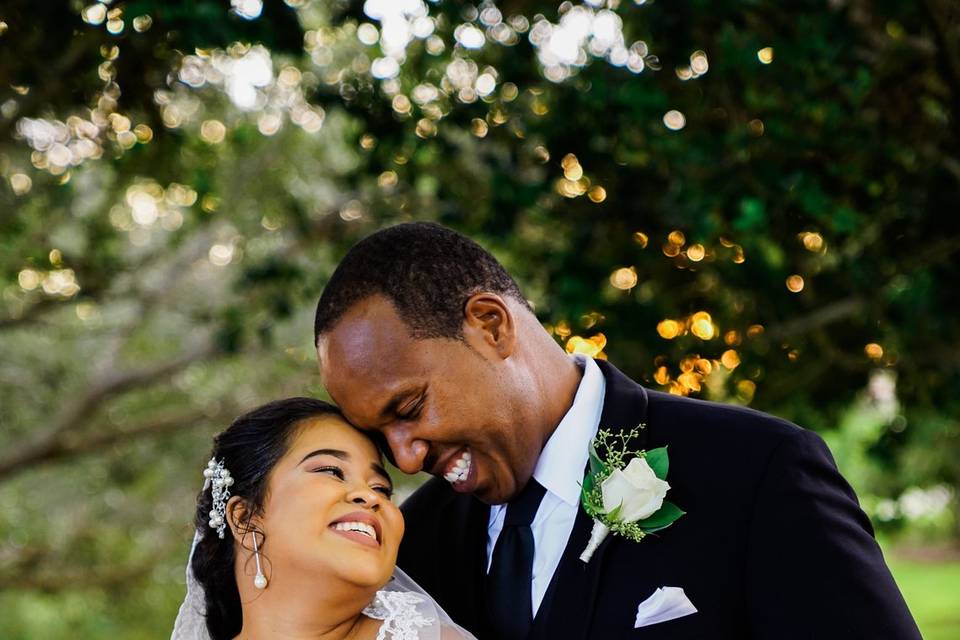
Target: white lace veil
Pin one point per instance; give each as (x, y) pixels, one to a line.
(408, 612)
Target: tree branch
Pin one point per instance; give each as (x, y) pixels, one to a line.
(48, 444)
(62, 449)
(829, 314)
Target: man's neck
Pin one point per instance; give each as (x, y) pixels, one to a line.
(560, 389)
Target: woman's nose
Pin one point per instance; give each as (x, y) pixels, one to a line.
(364, 496)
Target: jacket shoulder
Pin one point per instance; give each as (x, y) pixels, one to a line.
(670, 417)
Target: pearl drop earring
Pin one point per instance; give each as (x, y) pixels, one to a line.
(259, 580)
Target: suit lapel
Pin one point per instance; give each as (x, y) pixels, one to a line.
(568, 606)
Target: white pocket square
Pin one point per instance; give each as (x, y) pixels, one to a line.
(666, 603)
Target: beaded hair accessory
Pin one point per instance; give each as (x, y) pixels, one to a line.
(220, 479)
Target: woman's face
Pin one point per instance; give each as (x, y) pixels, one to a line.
(328, 509)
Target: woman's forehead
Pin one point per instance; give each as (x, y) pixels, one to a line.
(332, 432)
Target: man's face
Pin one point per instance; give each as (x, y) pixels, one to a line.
(451, 408)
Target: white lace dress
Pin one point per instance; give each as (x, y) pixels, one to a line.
(407, 612)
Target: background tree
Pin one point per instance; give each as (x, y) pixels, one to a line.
(746, 202)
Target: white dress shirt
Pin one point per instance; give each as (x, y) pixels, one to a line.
(560, 470)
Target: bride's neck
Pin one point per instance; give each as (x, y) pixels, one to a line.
(315, 610)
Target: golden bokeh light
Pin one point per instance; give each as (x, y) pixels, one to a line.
(795, 283)
(624, 278)
(756, 127)
(701, 325)
(269, 124)
(479, 127)
(669, 329)
(571, 167)
(690, 380)
(696, 252)
(812, 241)
(699, 63)
(213, 131)
(738, 257)
(562, 329)
(746, 390)
(674, 120)
(591, 347)
(144, 133)
(661, 375)
(94, 14)
(671, 250)
(730, 359)
(142, 23)
(401, 104)
(641, 239)
(29, 279)
(570, 188)
(367, 142)
(426, 128)
(221, 254)
(677, 238)
(874, 351)
(597, 194)
(388, 179)
(765, 55)
(754, 330)
(21, 184)
(732, 338)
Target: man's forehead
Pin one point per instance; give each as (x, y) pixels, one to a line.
(367, 355)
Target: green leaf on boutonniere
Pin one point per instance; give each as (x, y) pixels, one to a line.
(666, 515)
(614, 516)
(588, 484)
(658, 461)
(597, 466)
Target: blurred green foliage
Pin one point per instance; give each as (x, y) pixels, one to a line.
(179, 182)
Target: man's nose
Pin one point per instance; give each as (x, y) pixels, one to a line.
(408, 452)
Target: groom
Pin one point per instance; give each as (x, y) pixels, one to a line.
(426, 341)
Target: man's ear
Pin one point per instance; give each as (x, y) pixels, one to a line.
(488, 322)
(239, 518)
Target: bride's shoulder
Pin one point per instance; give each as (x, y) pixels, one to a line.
(449, 633)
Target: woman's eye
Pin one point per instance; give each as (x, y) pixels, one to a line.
(387, 491)
(334, 471)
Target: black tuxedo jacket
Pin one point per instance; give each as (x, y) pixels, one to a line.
(773, 543)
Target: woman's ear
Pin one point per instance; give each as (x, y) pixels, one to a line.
(239, 518)
(488, 324)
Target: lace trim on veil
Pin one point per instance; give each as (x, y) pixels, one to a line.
(401, 618)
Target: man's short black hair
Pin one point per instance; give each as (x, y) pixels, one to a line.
(426, 270)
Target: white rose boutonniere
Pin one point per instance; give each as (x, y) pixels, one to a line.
(628, 499)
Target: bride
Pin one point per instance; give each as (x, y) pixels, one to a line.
(297, 537)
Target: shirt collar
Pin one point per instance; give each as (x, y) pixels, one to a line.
(564, 458)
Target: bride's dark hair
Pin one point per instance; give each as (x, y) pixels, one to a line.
(249, 448)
